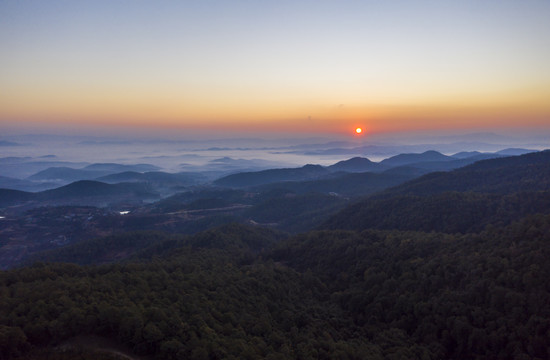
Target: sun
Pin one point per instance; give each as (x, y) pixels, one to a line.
(358, 130)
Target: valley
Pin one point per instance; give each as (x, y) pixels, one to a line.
(313, 262)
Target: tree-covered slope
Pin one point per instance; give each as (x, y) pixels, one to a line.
(234, 238)
(247, 179)
(495, 192)
(529, 172)
(81, 192)
(450, 212)
(320, 295)
(346, 184)
(479, 296)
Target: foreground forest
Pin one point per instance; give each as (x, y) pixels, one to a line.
(428, 280)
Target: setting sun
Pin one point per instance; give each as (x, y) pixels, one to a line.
(358, 130)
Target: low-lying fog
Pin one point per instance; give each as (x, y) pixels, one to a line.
(43, 151)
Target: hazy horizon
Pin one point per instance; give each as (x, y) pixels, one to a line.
(306, 69)
(175, 154)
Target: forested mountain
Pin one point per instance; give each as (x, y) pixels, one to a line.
(247, 179)
(491, 192)
(9, 197)
(452, 212)
(357, 164)
(64, 173)
(529, 172)
(345, 184)
(146, 244)
(84, 192)
(320, 295)
(447, 266)
(89, 172)
(116, 168)
(294, 212)
(407, 159)
(154, 177)
(422, 163)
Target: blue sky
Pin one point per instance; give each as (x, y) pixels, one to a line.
(294, 66)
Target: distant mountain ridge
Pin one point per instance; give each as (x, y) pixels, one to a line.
(113, 167)
(357, 164)
(406, 159)
(416, 163)
(83, 192)
(64, 173)
(494, 191)
(246, 179)
(529, 172)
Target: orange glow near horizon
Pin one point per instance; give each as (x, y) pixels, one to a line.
(237, 69)
(269, 113)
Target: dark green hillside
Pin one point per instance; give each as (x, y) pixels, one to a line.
(147, 244)
(473, 284)
(10, 197)
(247, 179)
(530, 172)
(236, 238)
(494, 192)
(446, 165)
(295, 212)
(450, 212)
(82, 193)
(207, 197)
(352, 185)
(79, 189)
(85, 188)
(106, 249)
(320, 295)
(480, 296)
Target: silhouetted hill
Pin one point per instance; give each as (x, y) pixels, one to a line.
(451, 164)
(89, 188)
(24, 185)
(114, 168)
(346, 184)
(83, 192)
(466, 154)
(529, 172)
(514, 151)
(493, 192)
(357, 164)
(247, 179)
(154, 176)
(10, 197)
(126, 176)
(65, 174)
(406, 159)
(90, 172)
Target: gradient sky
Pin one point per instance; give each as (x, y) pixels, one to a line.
(288, 66)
